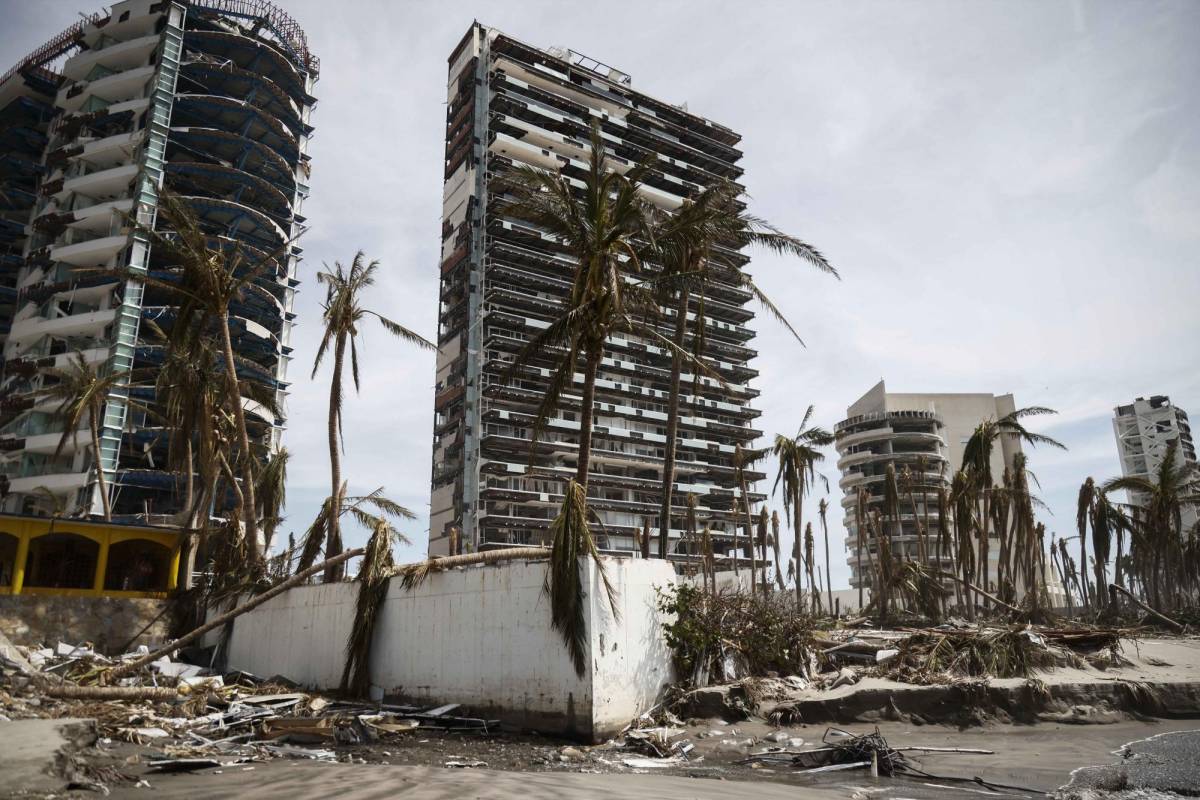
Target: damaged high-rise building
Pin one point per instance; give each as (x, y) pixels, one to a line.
(210, 99)
(503, 280)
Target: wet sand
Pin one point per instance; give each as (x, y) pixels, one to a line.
(1039, 757)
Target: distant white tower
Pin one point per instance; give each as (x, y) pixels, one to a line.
(1144, 429)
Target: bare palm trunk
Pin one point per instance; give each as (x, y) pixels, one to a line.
(1101, 580)
(101, 484)
(333, 536)
(1083, 569)
(249, 513)
(664, 519)
(189, 485)
(985, 542)
(1118, 577)
(586, 414)
(775, 549)
(828, 580)
(749, 529)
(797, 546)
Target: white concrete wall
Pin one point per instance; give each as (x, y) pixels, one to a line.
(481, 637)
(630, 661)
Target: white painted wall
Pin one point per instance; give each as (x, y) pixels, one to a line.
(630, 660)
(481, 637)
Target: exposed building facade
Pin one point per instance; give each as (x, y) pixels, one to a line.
(925, 434)
(503, 280)
(209, 98)
(1144, 429)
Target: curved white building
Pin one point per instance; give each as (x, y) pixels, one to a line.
(209, 98)
(925, 435)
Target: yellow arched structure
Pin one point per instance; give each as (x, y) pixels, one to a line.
(29, 534)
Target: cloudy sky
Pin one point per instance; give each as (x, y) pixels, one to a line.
(1011, 191)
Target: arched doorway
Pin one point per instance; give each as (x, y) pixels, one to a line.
(8, 559)
(61, 561)
(137, 565)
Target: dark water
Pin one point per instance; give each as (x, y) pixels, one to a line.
(1169, 762)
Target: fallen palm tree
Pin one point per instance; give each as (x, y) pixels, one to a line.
(413, 575)
(1175, 626)
(129, 667)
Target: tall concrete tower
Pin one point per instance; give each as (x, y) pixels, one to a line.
(208, 98)
(502, 280)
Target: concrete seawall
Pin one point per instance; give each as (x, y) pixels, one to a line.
(481, 637)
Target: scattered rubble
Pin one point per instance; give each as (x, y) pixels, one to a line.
(190, 718)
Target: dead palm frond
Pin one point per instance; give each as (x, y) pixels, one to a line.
(372, 590)
(357, 507)
(571, 538)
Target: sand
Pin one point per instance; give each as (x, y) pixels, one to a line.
(1040, 757)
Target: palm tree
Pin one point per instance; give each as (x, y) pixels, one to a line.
(694, 247)
(343, 314)
(1084, 504)
(797, 458)
(1158, 523)
(779, 582)
(81, 392)
(600, 225)
(206, 281)
(822, 507)
(977, 467)
(862, 542)
(814, 590)
(369, 510)
(190, 403)
(763, 521)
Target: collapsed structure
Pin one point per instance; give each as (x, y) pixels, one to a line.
(208, 98)
(503, 280)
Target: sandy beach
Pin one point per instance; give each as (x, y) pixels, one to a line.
(1038, 757)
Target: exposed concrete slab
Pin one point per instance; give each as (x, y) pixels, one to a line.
(33, 752)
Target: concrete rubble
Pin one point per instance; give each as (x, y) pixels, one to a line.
(186, 716)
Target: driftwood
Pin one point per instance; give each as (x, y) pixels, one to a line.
(1113, 589)
(297, 579)
(67, 691)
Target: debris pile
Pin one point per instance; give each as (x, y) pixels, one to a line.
(731, 635)
(841, 750)
(192, 718)
(955, 652)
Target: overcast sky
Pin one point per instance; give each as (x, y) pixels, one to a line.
(1011, 191)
